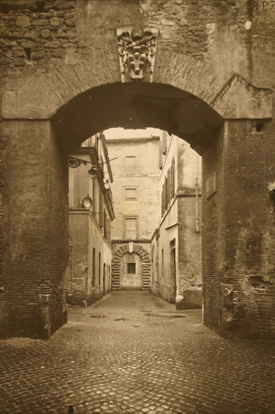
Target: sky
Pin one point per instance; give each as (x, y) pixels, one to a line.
(130, 133)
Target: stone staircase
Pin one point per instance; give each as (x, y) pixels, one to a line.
(115, 275)
(146, 276)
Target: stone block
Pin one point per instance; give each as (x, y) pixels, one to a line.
(27, 44)
(41, 22)
(18, 52)
(70, 22)
(61, 33)
(190, 299)
(23, 21)
(179, 302)
(24, 97)
(16, 35)
(71, 33)
(241, 100)
(31, 35)
(45, 33)
(38, 54)
(52, 45)
(55, 21)
(5, 60)
(43, 299)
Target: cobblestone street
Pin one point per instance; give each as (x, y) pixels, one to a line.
(133, 353)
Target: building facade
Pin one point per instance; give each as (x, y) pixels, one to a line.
(176, 244)
(136, 198)
(90, 215)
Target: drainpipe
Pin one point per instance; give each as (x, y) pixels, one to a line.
(197, 224)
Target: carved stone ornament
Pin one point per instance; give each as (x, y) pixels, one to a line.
(131, 247)
(137, 49)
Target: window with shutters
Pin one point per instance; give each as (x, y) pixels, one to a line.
(101, 210)
(131, 231)
(173, 172)
(163, 199)
(168, 188)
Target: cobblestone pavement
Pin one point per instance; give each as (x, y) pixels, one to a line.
(134, 353)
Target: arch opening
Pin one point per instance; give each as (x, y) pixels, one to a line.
(138, 106)
(133, 106)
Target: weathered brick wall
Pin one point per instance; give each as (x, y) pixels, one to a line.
(212, 232)
(36, 211)
(238, 230)
(31, 34)
(190, 268)
(249, 226)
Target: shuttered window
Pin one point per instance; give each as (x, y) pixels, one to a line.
(131, 228)
(168, 188)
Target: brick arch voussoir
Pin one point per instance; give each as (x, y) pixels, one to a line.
(43, 94)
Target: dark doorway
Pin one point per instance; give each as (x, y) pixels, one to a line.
(173, 273)
(104, 279)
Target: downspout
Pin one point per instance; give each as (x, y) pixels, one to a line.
(197, 220)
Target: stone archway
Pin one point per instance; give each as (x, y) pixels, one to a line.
(146, 265)
(50, 114)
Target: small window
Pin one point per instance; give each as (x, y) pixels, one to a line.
(99, 269)
(130, 193)
(131, 268)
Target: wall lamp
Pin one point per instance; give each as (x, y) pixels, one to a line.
(76, 162)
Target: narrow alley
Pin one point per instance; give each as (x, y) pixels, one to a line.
(132, 352)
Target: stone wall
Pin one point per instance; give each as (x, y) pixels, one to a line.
(36, 32)
(86, 235)
(190, 258)
(39, 33)
(179, 230)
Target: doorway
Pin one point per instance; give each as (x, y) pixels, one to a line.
(131, 272)
(173, 273)
(104, 279)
